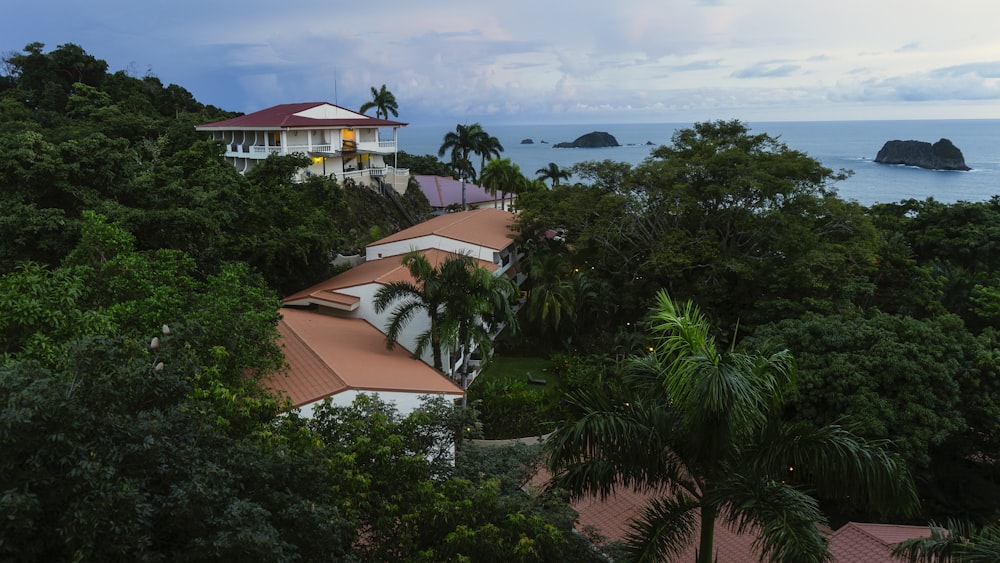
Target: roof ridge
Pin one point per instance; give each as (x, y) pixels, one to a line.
(860, 527)
(312, 352)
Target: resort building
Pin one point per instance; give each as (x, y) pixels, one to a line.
(341, 143)
(335, 340)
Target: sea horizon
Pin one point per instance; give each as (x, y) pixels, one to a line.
(838, 145)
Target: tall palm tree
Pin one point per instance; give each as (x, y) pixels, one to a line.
(462, 142)
(427, 293)
(699, 429)
(501, 175)
(384, 103)
(487, 147)
(553, 173)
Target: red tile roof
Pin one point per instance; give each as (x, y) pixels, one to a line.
(487, 227)
(327, 355)
(301, 115)
(383, 271)
(857, 542)
(853, 543)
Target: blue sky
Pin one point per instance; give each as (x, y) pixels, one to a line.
(541, 61)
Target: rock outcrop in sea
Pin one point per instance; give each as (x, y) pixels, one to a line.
(527, 142)
(942, 155)
(593, 140)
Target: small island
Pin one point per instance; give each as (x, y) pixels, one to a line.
(942, 155)
(527, 141)
(593, 140)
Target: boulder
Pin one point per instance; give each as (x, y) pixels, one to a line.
(942, 155)
(527, 142)
(593, 140)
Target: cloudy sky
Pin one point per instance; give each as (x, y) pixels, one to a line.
(542, 61)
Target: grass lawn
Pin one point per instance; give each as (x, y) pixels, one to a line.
(518, 368)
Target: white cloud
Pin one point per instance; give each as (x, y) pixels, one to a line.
(530, 61)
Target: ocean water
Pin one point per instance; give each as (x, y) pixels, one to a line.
(850, 145)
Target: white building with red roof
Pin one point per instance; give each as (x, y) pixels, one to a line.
(334, 339)
(338, 358)
(343, 144)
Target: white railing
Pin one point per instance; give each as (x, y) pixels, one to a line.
(260, 151)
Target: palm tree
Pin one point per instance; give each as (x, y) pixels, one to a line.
(552, 172)
(551, 296)
(384, 103)
(428, 294)
(503, 176)
(462, 142)
(958, 542)
(478, 305)
(699, 430)
(487, 147)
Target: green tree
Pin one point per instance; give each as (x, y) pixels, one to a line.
(700, 428)
(478, 306)
(414, 504)
(290, 227)
(383, 101)
(502, 176)
(552, 173)
(751, 227)
(110, 454)
(487, 147)
(894, 377)
(461, 143)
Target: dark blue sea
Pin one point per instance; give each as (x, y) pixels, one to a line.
(850, 145)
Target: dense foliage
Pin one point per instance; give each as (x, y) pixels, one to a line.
(139, 283)
(120, 219)
(891, 311)
(126, 147)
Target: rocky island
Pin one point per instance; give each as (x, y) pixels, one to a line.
(942, 155)
(593, 140)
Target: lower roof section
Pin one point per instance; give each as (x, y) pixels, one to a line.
(328, 355)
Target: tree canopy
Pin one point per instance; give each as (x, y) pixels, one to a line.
(700, 430)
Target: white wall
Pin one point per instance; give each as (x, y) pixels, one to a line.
(418, 324)
(426, 242)
(405, 402)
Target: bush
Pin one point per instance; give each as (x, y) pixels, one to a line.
(508, 408)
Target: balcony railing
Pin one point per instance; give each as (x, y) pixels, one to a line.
(261, 152)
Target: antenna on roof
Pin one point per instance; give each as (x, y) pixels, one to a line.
(335, 102)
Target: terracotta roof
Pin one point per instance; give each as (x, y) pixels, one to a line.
(443, 191)
(487, 227)
(301, 115)
(854, 542)
(382, 272)
(327, 355)
(857, 542)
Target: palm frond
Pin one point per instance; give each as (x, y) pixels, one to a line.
(785, 520)
(958, 541)
(613, 441)
(664, 528)
(837, 464)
